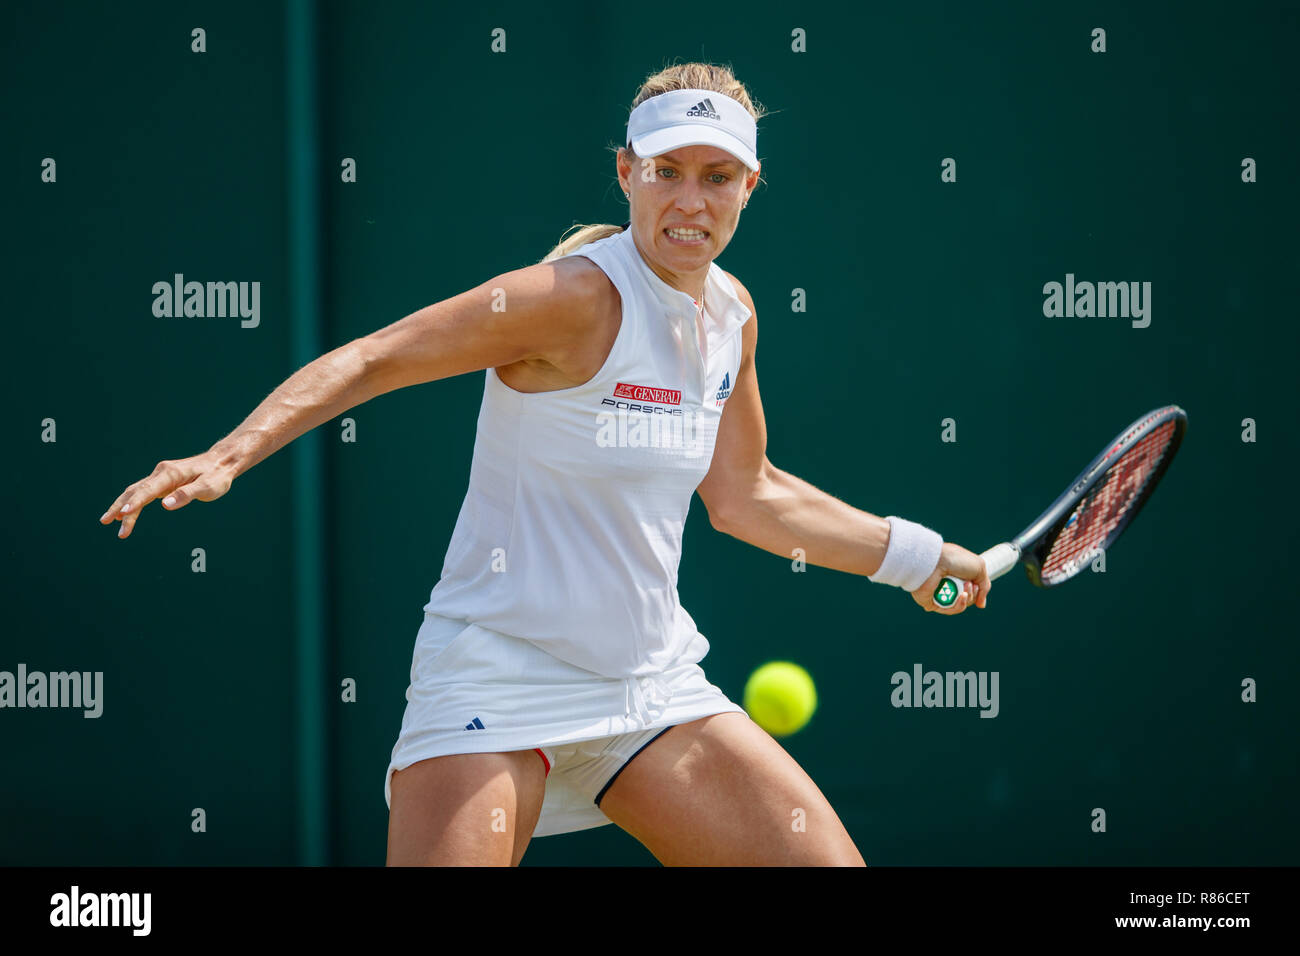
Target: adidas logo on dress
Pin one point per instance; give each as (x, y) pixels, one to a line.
(724, 389)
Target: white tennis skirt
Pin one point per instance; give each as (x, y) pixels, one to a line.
(475, 690)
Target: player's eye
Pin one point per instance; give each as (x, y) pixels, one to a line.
(718, 178)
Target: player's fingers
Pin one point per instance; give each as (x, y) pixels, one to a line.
(116, 509)
(182, 496)
(140, 499)
(128, 523)
(208, 487)
(136, 497)
(165, 476)
(957, 607)
(122, 509)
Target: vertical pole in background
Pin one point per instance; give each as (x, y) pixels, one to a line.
(305, 319)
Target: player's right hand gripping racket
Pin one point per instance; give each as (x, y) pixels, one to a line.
(1092, 512)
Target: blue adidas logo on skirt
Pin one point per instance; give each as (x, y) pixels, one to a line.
(475, 724)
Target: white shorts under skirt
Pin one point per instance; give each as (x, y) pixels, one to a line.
(475, 690)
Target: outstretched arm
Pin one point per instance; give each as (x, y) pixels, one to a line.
(551, 307)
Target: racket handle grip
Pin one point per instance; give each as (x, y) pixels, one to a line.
(998, 560)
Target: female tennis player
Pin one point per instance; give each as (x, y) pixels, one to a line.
(556, 681)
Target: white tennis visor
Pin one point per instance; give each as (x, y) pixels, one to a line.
(693, 118)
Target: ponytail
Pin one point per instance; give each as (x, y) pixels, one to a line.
(584, 235)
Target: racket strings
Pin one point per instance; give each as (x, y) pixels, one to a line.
(1104, 509)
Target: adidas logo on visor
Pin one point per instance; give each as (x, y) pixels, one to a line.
(704, 108)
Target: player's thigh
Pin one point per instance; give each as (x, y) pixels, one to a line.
(721, 791)
(465, 809)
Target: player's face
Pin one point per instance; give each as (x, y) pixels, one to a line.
(686, 204)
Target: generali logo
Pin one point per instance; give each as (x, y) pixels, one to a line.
(648, 393)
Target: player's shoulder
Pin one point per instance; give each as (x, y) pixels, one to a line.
(579, 277)
(741, 292)
(749, 331)
(572, 292)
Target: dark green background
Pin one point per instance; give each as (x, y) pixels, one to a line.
(1119, 691)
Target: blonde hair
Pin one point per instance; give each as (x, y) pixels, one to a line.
(683, 76)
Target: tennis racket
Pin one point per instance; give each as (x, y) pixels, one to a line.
(1092, 512)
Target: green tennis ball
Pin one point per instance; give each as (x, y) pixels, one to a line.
(780, 697)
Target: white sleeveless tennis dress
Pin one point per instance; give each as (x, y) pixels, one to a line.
(556, 623)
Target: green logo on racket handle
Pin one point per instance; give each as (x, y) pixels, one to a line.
(945, 595)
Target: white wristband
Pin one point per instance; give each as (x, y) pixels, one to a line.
(911, 557)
